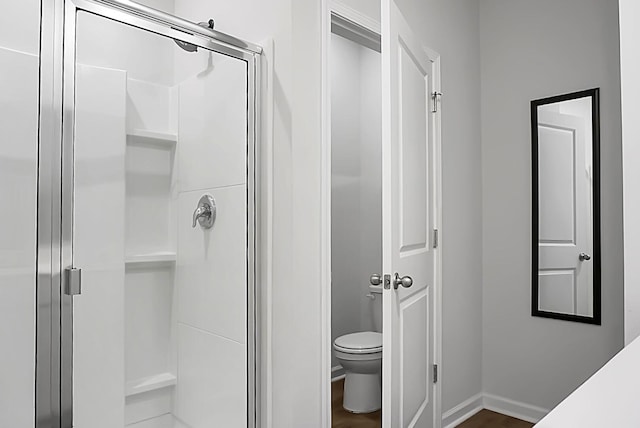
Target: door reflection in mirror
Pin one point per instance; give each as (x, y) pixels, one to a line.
(566, 250)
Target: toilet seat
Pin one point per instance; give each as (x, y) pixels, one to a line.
(366, 342)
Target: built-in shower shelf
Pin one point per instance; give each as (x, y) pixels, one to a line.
(152, 137)
(146, 258)
(151, 383)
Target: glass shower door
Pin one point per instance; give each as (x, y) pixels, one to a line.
(160, 222)
(19, 98)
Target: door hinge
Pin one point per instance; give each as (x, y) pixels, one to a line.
(435, 238)
(72, 281)
(435, 373)
(435, 97)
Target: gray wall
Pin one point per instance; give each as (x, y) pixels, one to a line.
(532, 50)
(451, 28)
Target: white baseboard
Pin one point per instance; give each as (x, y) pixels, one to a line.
(515, 409)
(337, 373)
(463, 411)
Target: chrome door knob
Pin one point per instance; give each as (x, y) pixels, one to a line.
(405, 281)
(376, 279)
(584, 256)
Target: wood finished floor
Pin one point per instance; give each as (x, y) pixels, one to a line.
(342, 419)
(488, 419)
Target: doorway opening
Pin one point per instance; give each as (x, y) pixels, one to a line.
(354, 77)
(380, 221)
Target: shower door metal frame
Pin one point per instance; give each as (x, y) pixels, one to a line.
(54, 343)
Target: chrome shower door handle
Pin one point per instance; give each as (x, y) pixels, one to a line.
(205, 213)
(73, 281)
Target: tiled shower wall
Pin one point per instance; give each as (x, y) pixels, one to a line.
(212, 326)
(19, 43)
(212, 264)
(200, 314)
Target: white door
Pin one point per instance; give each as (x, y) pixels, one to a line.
(564, 180)
(409, 214)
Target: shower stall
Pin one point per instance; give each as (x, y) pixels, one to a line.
(144, 306)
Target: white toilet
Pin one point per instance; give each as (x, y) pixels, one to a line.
(360, 354)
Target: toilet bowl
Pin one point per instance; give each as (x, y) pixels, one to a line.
(360, 354)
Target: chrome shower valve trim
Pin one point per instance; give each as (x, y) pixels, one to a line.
(205, 213)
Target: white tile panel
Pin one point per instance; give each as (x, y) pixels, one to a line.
(211, 389)
(99, 248)
(18, 174)
(164, 421)
(149, 106)
(149, 405)
(212, 137)
(149, 197)
(212, 263)
(20, 29)
(148, 305)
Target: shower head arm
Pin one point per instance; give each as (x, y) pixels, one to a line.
(173, 22)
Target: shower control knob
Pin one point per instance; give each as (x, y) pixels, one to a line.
(205, 213)
(405, 281)
(376, 279)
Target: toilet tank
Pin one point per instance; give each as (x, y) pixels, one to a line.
(376, 307)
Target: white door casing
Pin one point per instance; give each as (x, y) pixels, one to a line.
(564, 180)
(409, 173)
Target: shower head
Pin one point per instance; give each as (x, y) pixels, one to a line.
(189, 47)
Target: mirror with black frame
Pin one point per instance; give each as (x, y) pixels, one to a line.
(565, 136)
